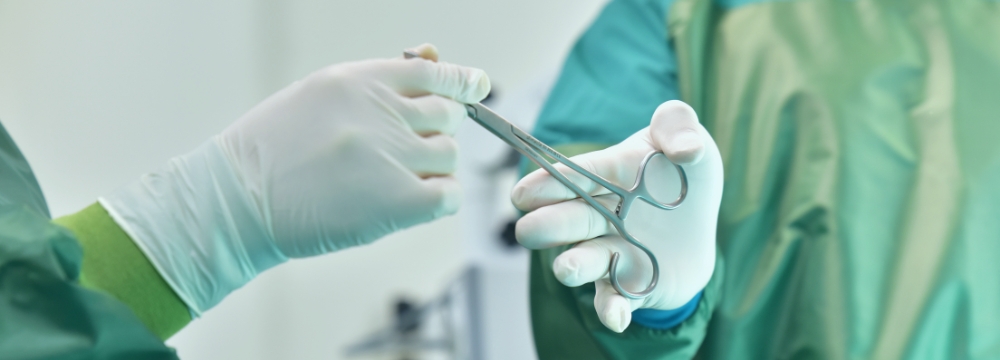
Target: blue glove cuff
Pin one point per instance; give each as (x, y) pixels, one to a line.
(666, 319)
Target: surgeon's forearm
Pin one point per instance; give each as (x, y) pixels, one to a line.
(113, 264)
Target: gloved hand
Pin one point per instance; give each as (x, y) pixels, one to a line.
(683, 239)
(340, 158)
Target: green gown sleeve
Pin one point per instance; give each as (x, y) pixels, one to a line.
(618, 72)
(615, 76)
(112, 263)
(44, 312)
(17, 182)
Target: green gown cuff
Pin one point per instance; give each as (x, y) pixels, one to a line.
(112, 263)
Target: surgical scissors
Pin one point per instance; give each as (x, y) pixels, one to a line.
(533, 149)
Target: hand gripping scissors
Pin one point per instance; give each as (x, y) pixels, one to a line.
(533, 149)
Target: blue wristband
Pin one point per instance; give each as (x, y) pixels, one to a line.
(666, 319)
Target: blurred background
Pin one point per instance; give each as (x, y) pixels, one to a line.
(98, 92)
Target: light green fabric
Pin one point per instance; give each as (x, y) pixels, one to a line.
(862, 171)
(861, 174)
(44, 312)
(113, 264)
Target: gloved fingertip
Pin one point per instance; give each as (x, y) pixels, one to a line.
(685, 147)
(515, 196)
(612, 319)
(675, 110)
(446, 195)
(534, 190)
(616, 316)
(566, 270)
(523, 233)
(452, 200)
(520, 196)
(624, 319)
(675, 131)
(477, 87)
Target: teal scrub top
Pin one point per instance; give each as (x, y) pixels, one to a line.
(862, 189)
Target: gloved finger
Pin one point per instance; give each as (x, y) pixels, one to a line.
(433, 114)
(435, 155)
(584, 263)
(418, 77)
(614, 310)
(539, 188)
(563, 223)
(426, 51)
(588, 261)
(675, 130)
(615, 164)
(443, 196)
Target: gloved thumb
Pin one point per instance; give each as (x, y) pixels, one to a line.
(675, 130)
(614, 310)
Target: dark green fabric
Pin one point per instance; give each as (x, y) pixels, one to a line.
(113, 264)
(44, 313)
(859, 217)
(566, 326)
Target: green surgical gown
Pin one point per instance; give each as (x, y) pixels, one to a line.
(861, 143)
(44, 312)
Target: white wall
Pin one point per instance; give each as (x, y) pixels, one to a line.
(98, 92)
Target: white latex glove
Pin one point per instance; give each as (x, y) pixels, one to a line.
(683, 239)
(350, 153)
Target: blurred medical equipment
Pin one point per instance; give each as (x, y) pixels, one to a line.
(448, 325)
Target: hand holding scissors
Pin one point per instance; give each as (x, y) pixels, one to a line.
(682, 239)
(539, 153)
(660, 161)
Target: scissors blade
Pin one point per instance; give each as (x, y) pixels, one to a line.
(499, 126)
(532, 148)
